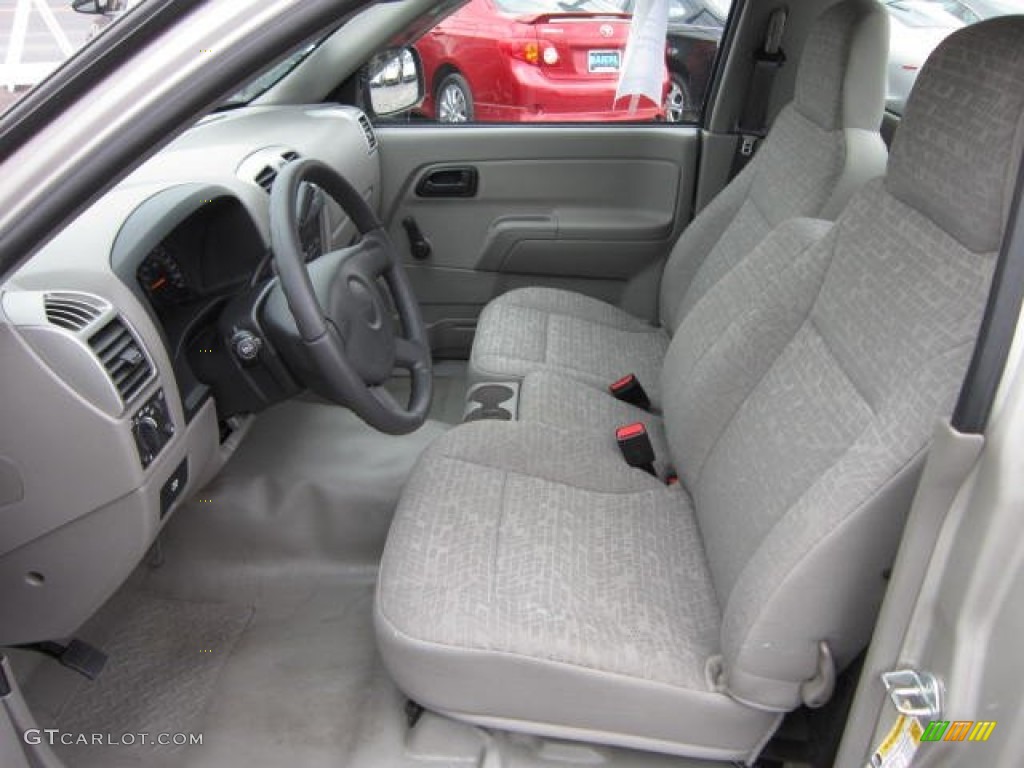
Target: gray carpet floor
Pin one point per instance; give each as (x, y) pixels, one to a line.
(281, 682)
(165, 659)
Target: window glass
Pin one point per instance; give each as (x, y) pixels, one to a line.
(36, 36)
(916, 27)
(544, 61)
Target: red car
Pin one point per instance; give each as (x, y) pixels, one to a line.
(529, 61)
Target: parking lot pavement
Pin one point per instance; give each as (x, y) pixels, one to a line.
(40, 44)
(7, 98)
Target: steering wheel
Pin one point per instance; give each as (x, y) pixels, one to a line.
(342, 316)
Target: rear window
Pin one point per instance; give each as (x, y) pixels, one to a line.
(921, 14)
(916, 27)
(563, 6)
(700, 13)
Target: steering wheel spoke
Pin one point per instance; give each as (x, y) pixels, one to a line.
(376, 253)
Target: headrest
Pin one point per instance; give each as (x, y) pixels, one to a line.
(840, 82)
(958, 149)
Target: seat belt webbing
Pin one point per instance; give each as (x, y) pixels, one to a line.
(752, 126)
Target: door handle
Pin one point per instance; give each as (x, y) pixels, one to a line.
(449, 182)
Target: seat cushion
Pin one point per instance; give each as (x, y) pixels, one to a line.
(534, 329)
(531, 577)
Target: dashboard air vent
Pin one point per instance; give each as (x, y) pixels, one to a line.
(371, 137)
(265, 178)
(72, 311)
(122, 357)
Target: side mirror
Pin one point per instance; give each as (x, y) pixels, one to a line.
(99, 7)
(394, 79)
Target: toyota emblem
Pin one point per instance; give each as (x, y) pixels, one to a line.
(606, 30)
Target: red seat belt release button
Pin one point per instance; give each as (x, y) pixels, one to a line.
(628, 390)
(635, 444)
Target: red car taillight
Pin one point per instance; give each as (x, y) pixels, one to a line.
(531, 51)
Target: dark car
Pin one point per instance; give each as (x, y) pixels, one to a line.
(694, 30)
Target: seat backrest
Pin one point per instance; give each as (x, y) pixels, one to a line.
(821, 148)
(802, 391)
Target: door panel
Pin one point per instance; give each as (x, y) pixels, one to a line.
(593, 209)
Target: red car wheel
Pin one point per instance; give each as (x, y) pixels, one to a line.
(454, 100)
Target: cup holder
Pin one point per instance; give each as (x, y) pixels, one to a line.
(492, 401)
(489, 413)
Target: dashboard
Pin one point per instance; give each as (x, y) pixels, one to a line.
(114, 404)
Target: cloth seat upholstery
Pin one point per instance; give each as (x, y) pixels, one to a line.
(532, 581)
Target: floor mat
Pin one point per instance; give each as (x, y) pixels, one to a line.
(293, 692)
(165, 657)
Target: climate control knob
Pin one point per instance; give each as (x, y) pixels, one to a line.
(150, 435)
(152, 428)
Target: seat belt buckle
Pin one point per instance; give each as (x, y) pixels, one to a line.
(629, 390)
(747, 144)
(635, 444)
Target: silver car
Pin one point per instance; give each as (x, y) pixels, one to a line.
(915, 28)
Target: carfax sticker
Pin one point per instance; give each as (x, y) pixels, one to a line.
(899, 746)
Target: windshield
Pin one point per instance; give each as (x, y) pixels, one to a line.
(268, 79)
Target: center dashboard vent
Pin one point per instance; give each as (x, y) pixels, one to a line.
(123, 358)
(72, 311)
(371, 137)
(268, 174)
